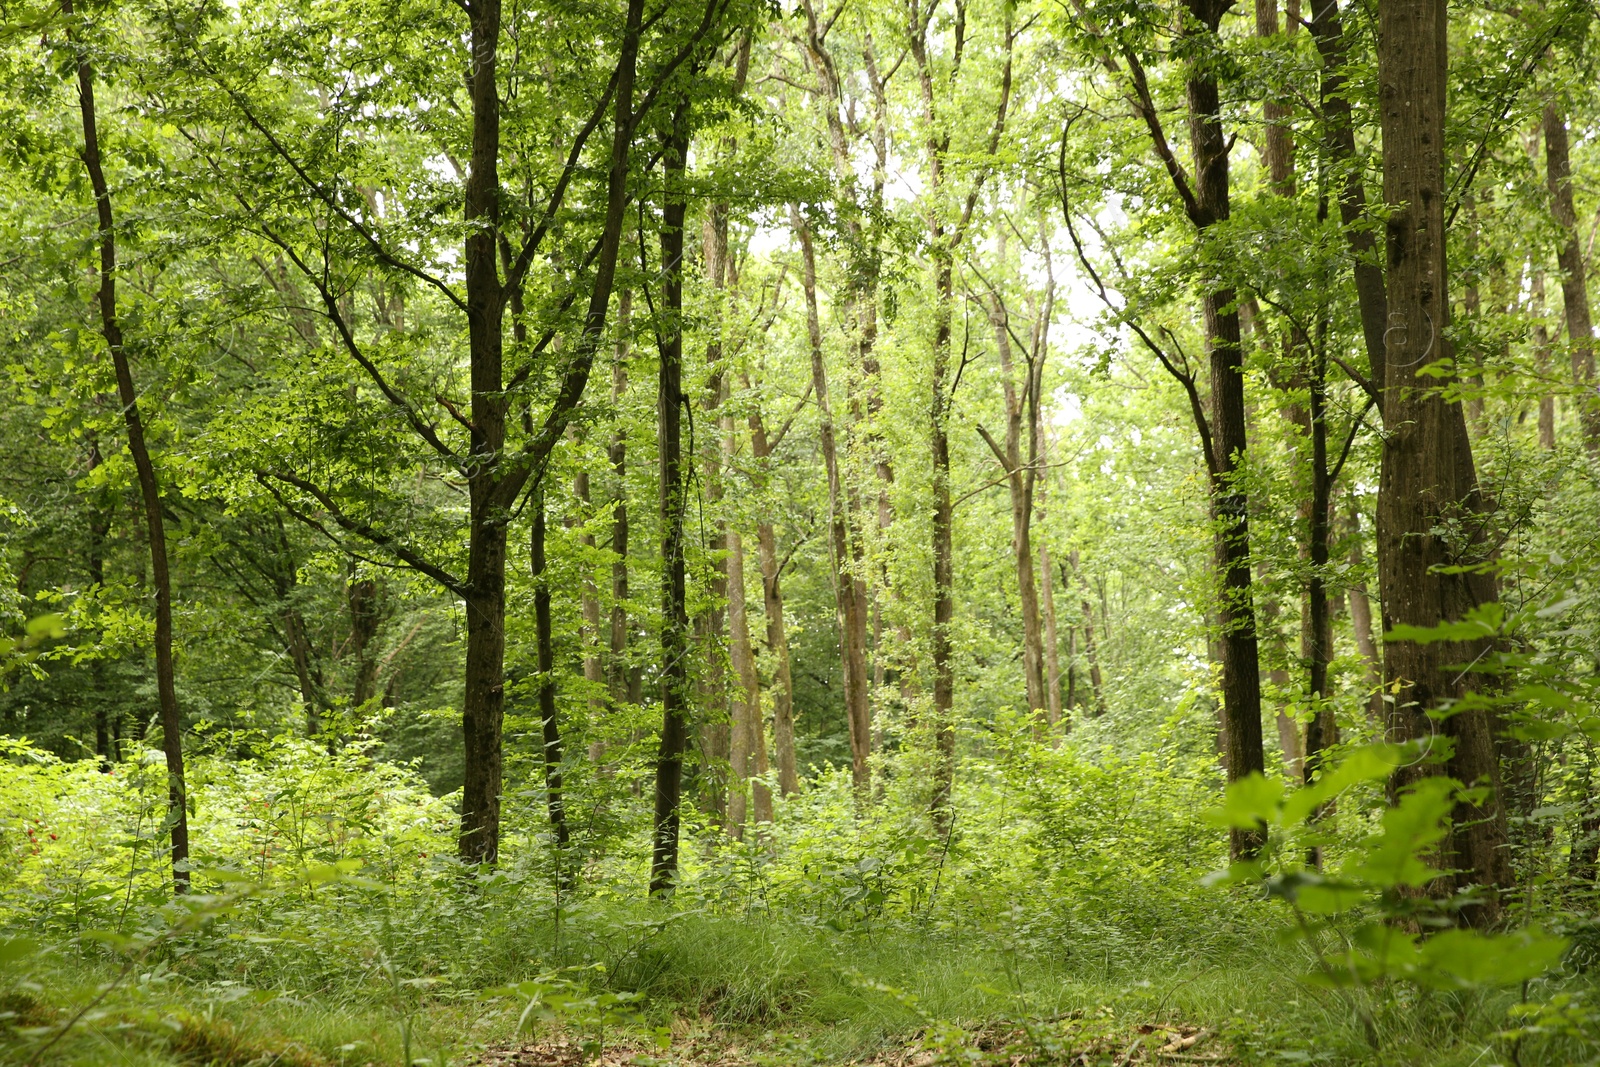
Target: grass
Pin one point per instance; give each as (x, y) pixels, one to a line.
(782, 993)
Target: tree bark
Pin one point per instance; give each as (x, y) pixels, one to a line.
(627, 680)
(1361, 622)
(1091, 649)
(1542, 362)
(674, 505)
(772, 601)
(593, 668)
(1574, 283)
(1327, 30)
(1021, 475)
(544, 641)
(1241, 680)
(1427, 479)
(149, 488)
(847, 586)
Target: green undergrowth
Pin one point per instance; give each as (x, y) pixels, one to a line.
(785, 997)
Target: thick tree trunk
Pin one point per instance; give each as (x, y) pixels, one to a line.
(483, 708)
(544, 641)
(1574, 282)
(1427, 479)
(144, 470)
(674, 506)
(848, 588)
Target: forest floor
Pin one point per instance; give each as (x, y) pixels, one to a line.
(1059, 1042)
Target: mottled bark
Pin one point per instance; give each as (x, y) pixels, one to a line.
(1427, 481)
(674, 506)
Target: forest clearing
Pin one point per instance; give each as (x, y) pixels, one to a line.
(905, 533)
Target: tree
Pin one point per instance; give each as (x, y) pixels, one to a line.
(149, 489)
(1432, 514)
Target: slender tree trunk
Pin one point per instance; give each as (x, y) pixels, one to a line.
(366, 616)
(1327, 30)
(772, 601)
(944, 602)
(149, 489)
(718, 723)
(1052, 642)
(1427, 478)
(99, 531)
(544, 640)
(674, 505)
(1322, 731)
(1241, 679)
(1574, 282)
(851, 608)
(1091, 649)
(1020, 478)
(1361, 623)
(749, 737)
(593, 668)
(626, 679)
(1543, 363)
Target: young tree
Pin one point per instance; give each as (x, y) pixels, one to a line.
(133, 421)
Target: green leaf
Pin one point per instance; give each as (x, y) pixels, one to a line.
(1466, 959)
(1249, 802)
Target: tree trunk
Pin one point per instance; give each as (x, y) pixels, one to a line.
(749, 736)
(1322, 731)
(544, 640)
(483, 706)
(361, 598)
(99, 530)
(1241, 680)
(1091, 649)
(1327, 30)
(149, 489)
(944, 601)
(593, 668)
(674, 505)
(1361, 623)
(627, 680)
(851, 607)
(1542, 362)
(1427, 479)
(772, 601)
(1574, 283)
(1021, 475)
